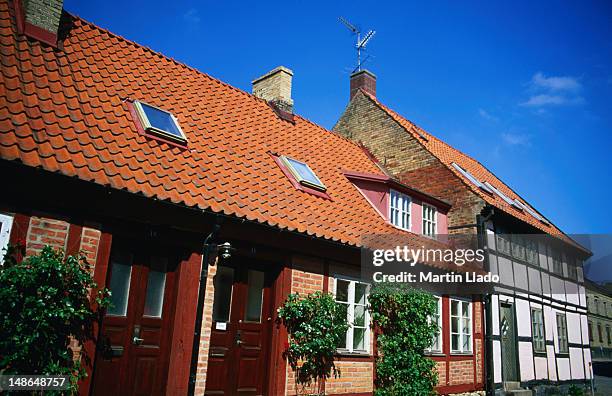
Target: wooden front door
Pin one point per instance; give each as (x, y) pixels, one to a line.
(240, 336)
(132, 357)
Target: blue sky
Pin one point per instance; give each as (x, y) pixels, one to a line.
(524, 87)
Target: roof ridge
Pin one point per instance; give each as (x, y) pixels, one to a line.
(182, 64)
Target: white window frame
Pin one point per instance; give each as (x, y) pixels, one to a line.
(5, 233)
(537, 330)
(459, 331)
(562, 333)
(432, 223)
(350, 313)
(146, 124)
(404, 216)
(438, 339)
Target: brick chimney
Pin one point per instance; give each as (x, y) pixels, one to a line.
(39, 19)
(275, 87)
(365, 80)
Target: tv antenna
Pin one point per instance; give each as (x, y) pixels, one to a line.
(361, 42)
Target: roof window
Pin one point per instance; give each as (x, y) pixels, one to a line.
(302, 173)
(471, 178)
(160, 122)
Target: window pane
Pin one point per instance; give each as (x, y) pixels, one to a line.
(342, 290)
(304, 172)
(254, 296)
(455, 342)
(223, 282)
(360, 293)
(359, 315)
(121, 273)
(467, 343)
(156, 285)
(455, 325)
(161, 120)
(359, 338)
(455, 308)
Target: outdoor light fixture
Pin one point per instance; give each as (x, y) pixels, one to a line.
(225, 250)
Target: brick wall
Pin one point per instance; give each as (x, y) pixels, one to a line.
(461, 372)
(43, 13)
(441, 367)
(407, 159)
(46, 231)
(205, 332)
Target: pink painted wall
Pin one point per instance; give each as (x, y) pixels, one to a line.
(378, 195)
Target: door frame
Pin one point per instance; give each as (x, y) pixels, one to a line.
(182, 318)
(274, 278)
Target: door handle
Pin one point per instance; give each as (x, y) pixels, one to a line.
(136, 340)
(238, 337)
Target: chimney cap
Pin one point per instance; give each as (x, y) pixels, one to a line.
(363, 71)
(273, 71)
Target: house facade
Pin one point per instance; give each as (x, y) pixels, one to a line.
(201, 207)
(599, 305)
(536, 318)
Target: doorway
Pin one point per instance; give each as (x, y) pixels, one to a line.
(241, 328)
(508, 343)
(133, 347)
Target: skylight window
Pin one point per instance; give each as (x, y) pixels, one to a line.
(471, 178)
(503, 196)
(160, 122)
(303, 174)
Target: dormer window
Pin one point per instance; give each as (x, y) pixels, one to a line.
(430, 224)
(399, 210)
(159, 122)
(302, 173)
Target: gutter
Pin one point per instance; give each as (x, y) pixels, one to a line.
(488, 351)
(207, 247)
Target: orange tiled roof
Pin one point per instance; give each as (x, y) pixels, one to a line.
(448, 154)
(64, 110)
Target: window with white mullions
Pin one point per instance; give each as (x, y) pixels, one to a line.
(461, 326)
(430, 223)
(399, 210)
(436, 346)
(352, 295)
(537, 329)
(562, 333)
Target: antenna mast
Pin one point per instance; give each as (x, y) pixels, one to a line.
(361, 42)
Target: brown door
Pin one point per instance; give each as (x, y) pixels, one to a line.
(239, 341)
(133, 349)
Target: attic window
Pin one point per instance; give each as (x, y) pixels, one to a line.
(302, 173)
(471, 178)
(160, 122)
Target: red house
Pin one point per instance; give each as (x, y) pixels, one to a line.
(201, 206)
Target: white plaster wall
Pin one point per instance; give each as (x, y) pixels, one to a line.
(497, 367)
(574, 333)
(557, 288)
(563, 367)
(495, 313)
(582, 296)
(584, 328)
(549, 323)
(576, 363)
(552, 362)
(571, 289)
(541, 368)
(546, 285)
(586, 353)
(523, 317)
(505, 271)
(520, 276)
(535, 282)
(526, 361)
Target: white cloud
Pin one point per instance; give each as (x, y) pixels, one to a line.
(484, 114)
(516, 139)
(192, 16)
(553, 91)
(562, 83)
(547, 99)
